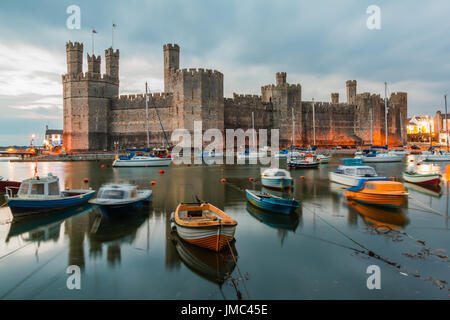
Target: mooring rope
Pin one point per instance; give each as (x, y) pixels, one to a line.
(239, 270)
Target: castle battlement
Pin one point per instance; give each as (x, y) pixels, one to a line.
(88, 76)
(170, 46)
(198, 71)
(155, 95)
(74, 46)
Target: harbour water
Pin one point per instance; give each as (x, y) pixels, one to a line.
(318, 253)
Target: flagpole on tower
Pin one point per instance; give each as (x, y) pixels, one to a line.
(112, 34)
(93, 47)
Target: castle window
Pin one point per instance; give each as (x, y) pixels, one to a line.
(192, 94)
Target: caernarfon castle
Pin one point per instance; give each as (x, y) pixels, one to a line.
(97, 118)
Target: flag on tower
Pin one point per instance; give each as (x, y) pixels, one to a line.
(94, 31)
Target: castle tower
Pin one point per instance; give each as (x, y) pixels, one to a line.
(87, 99)
(351, 92)
(112, 63)
(74, 52)
(281, 78)
(171, 64)
(334, 98)
(94, 64)
(285, 99)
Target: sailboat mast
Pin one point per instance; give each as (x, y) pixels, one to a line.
(146, 115)
(253, 126)
(314, 122)
(385, 114)
(293, 126)
(371, 125)
(446, 123)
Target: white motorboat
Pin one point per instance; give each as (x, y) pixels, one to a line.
(438, 155)
(374, 157)
(276, 178)
(351, 172)
(118, 198)
(284, 154)
(323, 158)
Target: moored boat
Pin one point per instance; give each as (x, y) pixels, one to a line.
(204, 225)
(422, 178)
(309, 161)
(380, 192)
(271, 202)
(42, 194)
(118, 199)
(438, 155)
(276, 178)
(373, 156)
(159, 158)
(11, 185)
(323, 159)
(351, 172)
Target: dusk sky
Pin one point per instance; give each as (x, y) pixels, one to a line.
(320, 44)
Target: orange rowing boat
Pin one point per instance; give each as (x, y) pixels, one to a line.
(204, 225)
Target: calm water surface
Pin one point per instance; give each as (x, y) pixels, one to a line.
(315, 254)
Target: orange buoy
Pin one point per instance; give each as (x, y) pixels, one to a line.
(302, 177)
(251, 179)
(153, 183)
(223, 180)
(86, 180)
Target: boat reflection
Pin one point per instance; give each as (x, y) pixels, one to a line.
(380, 217)
(114, 232)
(429, 190)
(215, 267)
(275, 220)
(44, 227)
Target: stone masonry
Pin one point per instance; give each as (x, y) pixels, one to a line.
(96, 116)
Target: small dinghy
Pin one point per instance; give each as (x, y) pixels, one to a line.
(271, 202)
(422, 178)
(204, 225)
(41, 194)
(276, 178)
(381, 192)
(118, 199)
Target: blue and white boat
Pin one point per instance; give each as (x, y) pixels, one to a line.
(42, 194)
(276, 178)
(159, 158)
(118, 199)
(352, 171)
(270, 202)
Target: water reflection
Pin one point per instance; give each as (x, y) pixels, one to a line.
(114, 232)
(213, 266)
(43, 228)
(434, 191)
(380, 217)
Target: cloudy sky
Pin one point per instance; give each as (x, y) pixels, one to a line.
(320, 44)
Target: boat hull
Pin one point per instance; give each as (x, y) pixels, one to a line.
(347, 179)
(283, 206)
(125, 209)
(428, 179)
(154, 162)
(276, 183)
(444, 158)
(381, 200)
(209, 237)
(25, 207)
(381, 159)
(296, 165)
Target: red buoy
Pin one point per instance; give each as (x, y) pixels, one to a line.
(251, 179)
(103, 165)
(161, 171)
(86, 180)
(223, 180)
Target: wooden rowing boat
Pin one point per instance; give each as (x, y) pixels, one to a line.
(204, 225)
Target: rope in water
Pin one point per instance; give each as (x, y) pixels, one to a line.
(237, 266)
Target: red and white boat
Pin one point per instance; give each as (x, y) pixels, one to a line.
(12, 185)
(422, 178)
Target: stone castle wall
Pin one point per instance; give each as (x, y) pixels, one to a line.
(97, 118)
